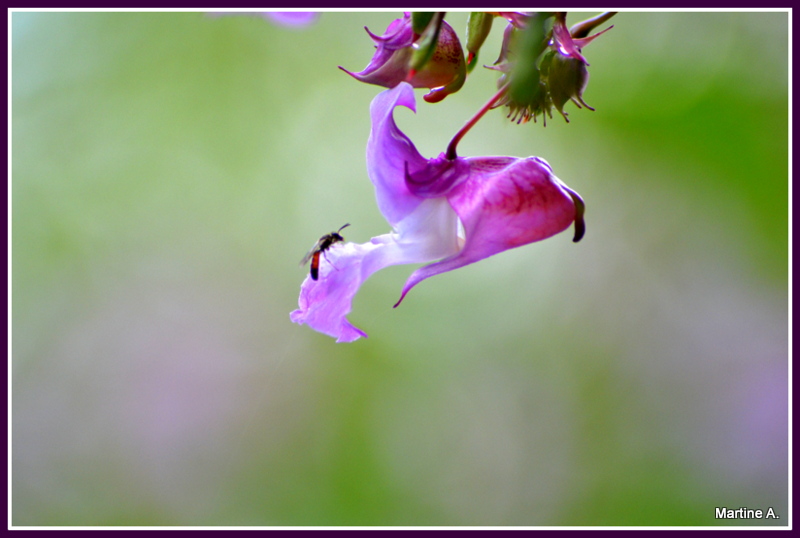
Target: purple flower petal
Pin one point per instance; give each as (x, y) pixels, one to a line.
(437, 177)
(325, 303)
(428, 233)
(424, 229)
(389, 151)
(563, 40)
(504, 203)
(390, 65)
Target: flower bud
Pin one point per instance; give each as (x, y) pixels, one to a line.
(567, 78)
(540, 75)
(420, 20)
(479, 24)
(526, 92)
(444, 72)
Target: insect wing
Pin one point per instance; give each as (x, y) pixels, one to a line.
(311, 253)
(323, 244)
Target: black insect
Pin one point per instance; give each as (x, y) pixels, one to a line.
(325, 242)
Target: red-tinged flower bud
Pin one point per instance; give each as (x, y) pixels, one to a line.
(444, 72)
(479, 24)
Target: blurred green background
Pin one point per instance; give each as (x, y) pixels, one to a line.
(169, 171)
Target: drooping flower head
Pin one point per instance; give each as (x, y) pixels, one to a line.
(500, 202)
(444, 72)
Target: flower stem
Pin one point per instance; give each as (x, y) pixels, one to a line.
(451, 148)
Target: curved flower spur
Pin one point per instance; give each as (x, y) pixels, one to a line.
(501, 203)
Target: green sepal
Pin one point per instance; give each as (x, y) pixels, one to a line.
(525, 76)
(583, 28)
(479, 24)
(426, 45)
(524, 88)
(420, 20)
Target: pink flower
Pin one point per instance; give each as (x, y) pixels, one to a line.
(444, 73)
(501, 203)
